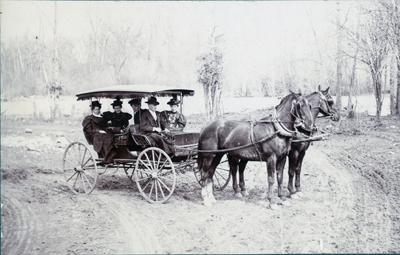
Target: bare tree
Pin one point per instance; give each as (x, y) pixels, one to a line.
(210, 75)
(392, 10)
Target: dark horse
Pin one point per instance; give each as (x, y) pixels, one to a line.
(322, 103)
(267, 139)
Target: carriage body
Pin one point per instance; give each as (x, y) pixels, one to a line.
(151, 168)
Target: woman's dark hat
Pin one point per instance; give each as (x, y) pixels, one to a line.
(174, 102)
(152, 100)
(134, 101)
(95, 104)
(117, 102)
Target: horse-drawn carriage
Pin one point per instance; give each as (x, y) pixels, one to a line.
(151, 168)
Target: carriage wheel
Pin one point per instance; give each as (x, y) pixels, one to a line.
(155, 175)
(80, 169)
(221, 176)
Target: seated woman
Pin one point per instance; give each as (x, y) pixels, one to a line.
(119, 120)
(94, 126)
(175, 120)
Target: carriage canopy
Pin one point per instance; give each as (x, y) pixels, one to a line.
(134, 91)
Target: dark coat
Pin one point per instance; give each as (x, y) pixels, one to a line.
(175, 121)
(147, 122)
(120, 120)
(136, 116)
(92, 125)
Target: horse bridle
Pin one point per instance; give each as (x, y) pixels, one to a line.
(298, 121)
(325, 100)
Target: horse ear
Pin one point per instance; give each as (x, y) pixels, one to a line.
(291, 92)
(319, 87)
(327, 90)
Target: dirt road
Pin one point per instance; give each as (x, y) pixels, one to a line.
(348, 207)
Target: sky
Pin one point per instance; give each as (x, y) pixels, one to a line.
(256, 32)
(241, 20)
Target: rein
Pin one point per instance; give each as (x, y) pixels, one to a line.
(235, 148)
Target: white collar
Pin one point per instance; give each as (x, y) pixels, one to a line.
(154, 114)
(98, 116)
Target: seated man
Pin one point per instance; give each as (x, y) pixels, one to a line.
(174, 119)
(137, 111)
(152, 124)
(119, 120)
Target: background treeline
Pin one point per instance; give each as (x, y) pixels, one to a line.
(354, 50)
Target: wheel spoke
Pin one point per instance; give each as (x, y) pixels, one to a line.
(163, 165)
(73, 156)
(84, 155)
(164, 185)
(151, 190)
(87, 180)
(144, 164)
(162, 192)
(158, 161)
(147, 184)
(72, 163)
(145, 178)
(143, 171)
(156, 188)
(148, 160)
(163, 177)
(83, 182)
(76, 179)
(72, 175)
(86, 161)
(154, 160)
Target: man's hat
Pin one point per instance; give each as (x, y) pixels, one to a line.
(134, 101)
(152, 100)
(174, 101)
(95, 104)
(117, 102)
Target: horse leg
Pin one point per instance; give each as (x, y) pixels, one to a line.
(271, 167)
(242, 166)
(280, 165)
(205, 165)
(298, 172)
(233, 163)
(293, 156)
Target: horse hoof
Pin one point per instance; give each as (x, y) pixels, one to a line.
(286, 203)
(245, 193)
(294, 196)
(213, 201)
(238, 195)
(300, 194)
(274, 206)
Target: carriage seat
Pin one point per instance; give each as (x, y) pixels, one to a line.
(138, 138)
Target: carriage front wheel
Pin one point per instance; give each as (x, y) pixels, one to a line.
(80, 169)
(155, 175)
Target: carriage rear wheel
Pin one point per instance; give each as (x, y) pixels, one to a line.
(80, 169)
(155, 175)
(221, 176)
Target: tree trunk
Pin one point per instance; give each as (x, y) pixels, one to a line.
(350, 106)
(377, 82)
(339, 62)
(398, 88)
(392, 87)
